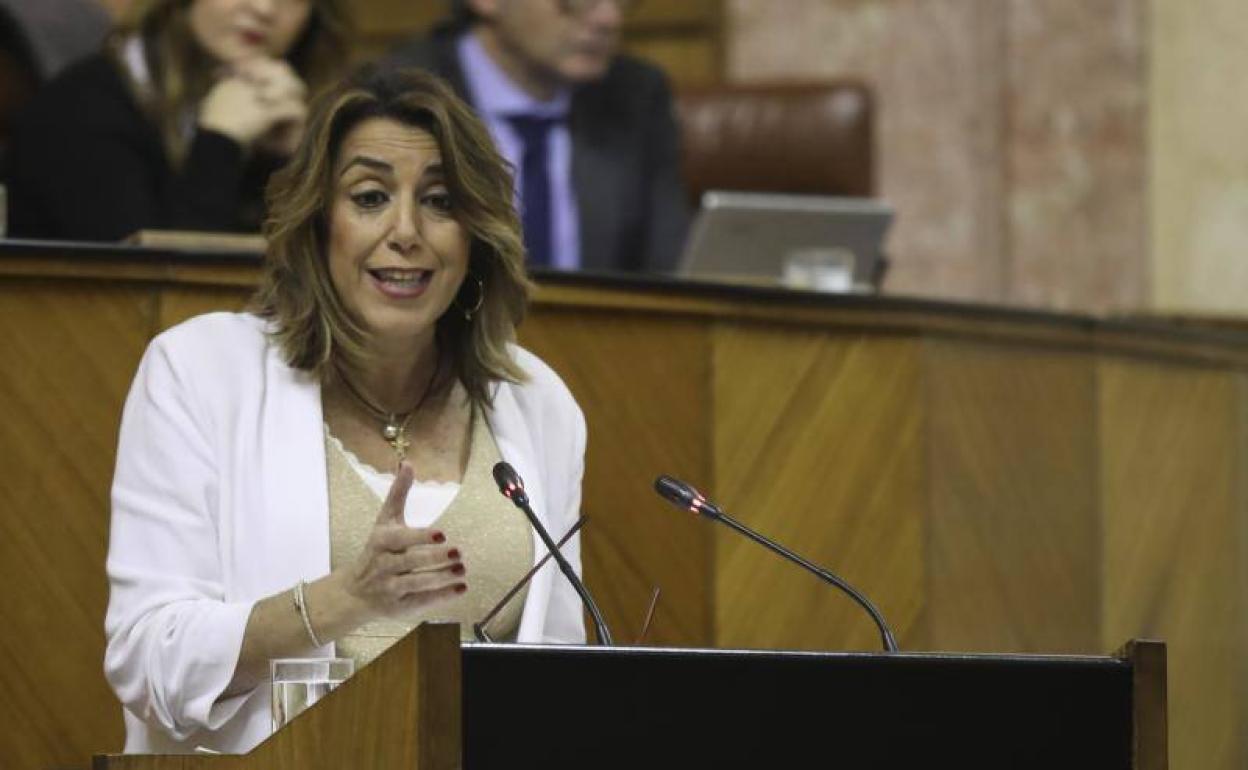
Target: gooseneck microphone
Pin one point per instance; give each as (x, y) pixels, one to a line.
(512, 487)
(685, 497)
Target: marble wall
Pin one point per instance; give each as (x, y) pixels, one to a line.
(1011, 136)
(1198, 115)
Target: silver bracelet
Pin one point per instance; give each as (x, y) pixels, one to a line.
(302, 606)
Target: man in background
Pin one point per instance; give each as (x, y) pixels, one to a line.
(591, 132)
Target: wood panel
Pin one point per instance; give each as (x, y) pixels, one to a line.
(995, 481)
(68, 353)
(179, 303)
(689, 60)
(411, 16)
(402, 710)
(643, 382)
(817, 445)
(684, 38)
(1174, 513)
(1013, 533)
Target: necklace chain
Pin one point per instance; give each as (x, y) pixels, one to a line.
(393, 424)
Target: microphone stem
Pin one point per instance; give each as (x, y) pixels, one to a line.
(886, 635)
(600, 626)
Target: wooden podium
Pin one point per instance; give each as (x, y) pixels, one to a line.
(427, 703)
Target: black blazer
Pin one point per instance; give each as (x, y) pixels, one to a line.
(87, 164)
(625, 157)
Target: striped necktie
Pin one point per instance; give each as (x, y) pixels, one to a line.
(535, 193)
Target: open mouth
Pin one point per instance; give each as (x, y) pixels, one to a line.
(401, 280)
(252, 38)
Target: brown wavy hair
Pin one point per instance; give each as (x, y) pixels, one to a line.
(182, 72)
(309, 320)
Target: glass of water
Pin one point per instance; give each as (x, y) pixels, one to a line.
(300, 682)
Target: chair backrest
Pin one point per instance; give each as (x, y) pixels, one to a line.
(813, 138)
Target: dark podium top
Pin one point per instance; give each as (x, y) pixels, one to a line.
(572, 707)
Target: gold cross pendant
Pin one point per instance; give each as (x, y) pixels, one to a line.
(400, 444)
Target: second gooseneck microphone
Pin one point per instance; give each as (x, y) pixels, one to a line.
(685, 497)
(512, 487)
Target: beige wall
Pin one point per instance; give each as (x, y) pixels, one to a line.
(1011, 136)
(1199, 161)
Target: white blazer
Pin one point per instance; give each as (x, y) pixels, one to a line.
(220, 499)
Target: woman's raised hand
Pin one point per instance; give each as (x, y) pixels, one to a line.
(258, 103)
(403, 568)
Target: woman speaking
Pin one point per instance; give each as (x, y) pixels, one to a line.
(317, 473)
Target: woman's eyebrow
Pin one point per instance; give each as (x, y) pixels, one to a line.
(367, 162)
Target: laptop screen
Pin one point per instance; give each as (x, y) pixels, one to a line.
(762, 237)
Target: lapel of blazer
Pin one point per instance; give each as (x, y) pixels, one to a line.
(515, 445)
(595, 168)
(295, 496)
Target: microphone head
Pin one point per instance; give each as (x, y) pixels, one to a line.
(675, 491)
(510, 483)
(684, 496)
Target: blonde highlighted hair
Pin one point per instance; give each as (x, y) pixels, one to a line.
(309, 320)
(182, 73)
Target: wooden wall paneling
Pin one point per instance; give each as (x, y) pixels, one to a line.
(398, 16)
(68, 354)
(818, 445)
(661, 13)
(1013, 534)
(179, 303)
(1172, 482)
(685, 38)
(689, 60)
(642, 381)
(381, 24)
(983, 434)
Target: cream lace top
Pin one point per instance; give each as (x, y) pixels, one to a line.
(493, 537)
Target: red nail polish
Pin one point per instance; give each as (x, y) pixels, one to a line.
(460, 588)
(453, 553)
(438, 537)
(458, 569)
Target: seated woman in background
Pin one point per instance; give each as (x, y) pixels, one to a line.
(177, 124)
(252, 446)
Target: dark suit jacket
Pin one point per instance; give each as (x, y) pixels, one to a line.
(625, 158)
(87, 164)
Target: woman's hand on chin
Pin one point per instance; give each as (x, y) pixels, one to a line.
(259, 103)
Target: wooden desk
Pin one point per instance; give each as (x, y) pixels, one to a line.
(995, 480)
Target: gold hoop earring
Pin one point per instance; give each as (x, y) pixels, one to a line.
(470, 312)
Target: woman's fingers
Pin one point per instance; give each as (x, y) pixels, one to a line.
(396, 499)
(397, 538)
(427, 587)
(423, 559)
(404, 566)
(287, 111)
(253, 99)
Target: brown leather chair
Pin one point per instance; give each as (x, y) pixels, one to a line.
(813, 138)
